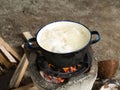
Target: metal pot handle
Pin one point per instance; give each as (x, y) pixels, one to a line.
(32, 44)
(98, 37)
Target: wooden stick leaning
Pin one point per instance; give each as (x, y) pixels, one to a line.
(19, 73)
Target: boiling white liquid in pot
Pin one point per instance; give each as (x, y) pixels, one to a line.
(63, 37)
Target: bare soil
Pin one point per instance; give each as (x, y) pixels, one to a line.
(17, 16)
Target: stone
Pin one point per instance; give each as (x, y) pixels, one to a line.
(110, 86)
(107, 68)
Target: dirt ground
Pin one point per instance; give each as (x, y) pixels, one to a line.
(17, 16)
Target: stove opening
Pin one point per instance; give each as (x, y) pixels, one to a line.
(55, 74)
(58, 79)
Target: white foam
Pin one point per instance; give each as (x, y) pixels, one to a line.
(63, 37)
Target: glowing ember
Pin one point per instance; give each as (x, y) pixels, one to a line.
(67, 69)
(51, 78)
(60, 80)
(50, 65)
(71, 68)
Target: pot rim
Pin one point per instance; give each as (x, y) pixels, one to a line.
(66, 52)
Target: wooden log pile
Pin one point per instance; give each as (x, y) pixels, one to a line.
(9, 58)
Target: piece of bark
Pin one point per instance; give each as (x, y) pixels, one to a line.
(107, 68)
(19, 72)
(7, 54)
(9, 49)
(27, 87)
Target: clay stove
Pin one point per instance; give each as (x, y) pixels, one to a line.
(45, 78)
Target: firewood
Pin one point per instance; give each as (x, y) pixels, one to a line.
(7, 54)
(19, 73)
(27, 87)
(5, 61)
(27, 35)
(9, 49)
